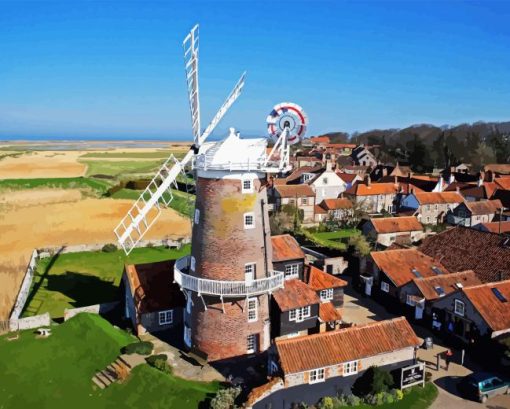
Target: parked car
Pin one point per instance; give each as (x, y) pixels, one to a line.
(481, 386)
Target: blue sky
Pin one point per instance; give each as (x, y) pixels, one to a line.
(115, 69)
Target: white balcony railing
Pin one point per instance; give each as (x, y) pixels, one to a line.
(224, 288)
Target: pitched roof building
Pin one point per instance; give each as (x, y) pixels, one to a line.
(346, 345)
(462, 248)
(438, 286)
(385, 225)
(285, 247)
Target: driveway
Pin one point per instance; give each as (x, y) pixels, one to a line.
(360, 309)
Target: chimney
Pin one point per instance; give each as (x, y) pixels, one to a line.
(480, 180)
(490, 174)
(451, 178)
(368, 180)
(385, 171)
(329, 165)
(440, 183)
(457, 189)
(396, 180)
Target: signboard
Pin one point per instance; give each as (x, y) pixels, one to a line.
(412, 375)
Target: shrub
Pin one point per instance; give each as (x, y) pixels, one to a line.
(159, 362)
(109, 248)
(375, 380)
(326, 403)
(353, 400)
(225, 398)
(399, 395)
(142, 348)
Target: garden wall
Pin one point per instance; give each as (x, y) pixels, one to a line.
(92, 309)
(25, 287)
(36, 321)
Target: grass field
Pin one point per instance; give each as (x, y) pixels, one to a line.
(120, 168)
(56, 372)
(78, 279)
(182, 202)
(331, 239)
(159, 154)
(98, 185)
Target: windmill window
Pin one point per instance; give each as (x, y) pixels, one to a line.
(252, 309)
(249, 273)
(197, 216)
(249, 221)
(251, 343)
(193, 263)
(247, 186)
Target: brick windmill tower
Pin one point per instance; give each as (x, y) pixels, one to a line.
(228, 277)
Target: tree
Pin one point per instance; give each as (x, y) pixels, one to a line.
(483, 155)
(375, 380)
(360, 244)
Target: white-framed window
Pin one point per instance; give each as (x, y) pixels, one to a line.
(193, 263)
(316, 375)
(292, 202)
(291, 271)
(306, 176)
(197, 216)
(410, 300)
(385, 287)
(304, 200)
(350, 368)
(166, 317)
(247, 186)
(459, 308)
(251, 343)
(187, 336)
(249, 272)
(252, 309)
(299, 314)
(249, 220)
(326, 295)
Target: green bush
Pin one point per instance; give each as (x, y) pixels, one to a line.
(373, 381)
(399, 395)
(142, 348)
(159, 362)
(225, 398)
(326, 403)
(109, 248)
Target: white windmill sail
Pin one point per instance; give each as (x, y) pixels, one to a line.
(146, 210)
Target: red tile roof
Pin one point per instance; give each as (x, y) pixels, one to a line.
(497, 168)
(361, 189)
(396, 224)
(398, 265)
(152, 286)
(503, 183)
(336, 204)
(320, 139)
(295, 294)
(328, 312)
(448, 282)
(344, 345)
(320, 210)
(462, 248)
(484, 207)
(285, 247)
(495, 312)
(341, 145)
(494, 227)
(347, 177)
(320, 280)
(295, 191)
(438, 198)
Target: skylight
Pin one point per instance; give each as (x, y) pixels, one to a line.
(437, 270)
(416, 273)
(498, 295)
(439, 291)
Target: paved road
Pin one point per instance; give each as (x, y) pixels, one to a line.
(361, 310)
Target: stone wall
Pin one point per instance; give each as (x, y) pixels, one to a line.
(92, 309)
(36, 321)
(25, 287)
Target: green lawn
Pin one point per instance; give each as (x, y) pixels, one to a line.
(79, 279)
(120, 168)
(182, 202)
(101, 186)
(56, 372)
(333, 239)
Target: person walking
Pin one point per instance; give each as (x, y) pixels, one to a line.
(448, 357)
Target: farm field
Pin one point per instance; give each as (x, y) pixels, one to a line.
(59, 220)
(79, 279)
(58, 370)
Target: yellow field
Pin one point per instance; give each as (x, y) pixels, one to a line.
(41, 164)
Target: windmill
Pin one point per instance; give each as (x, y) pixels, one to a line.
(228, 278)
